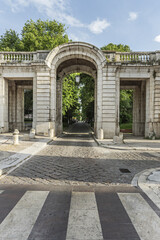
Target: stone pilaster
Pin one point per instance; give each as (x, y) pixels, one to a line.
(43, 101)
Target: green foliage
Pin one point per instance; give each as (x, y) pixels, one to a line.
(10, 41)
(28, 101)
(70, 95)
(87, 96)
(117, 48)
(126, 126)
(42, 35)
(126, 106)
(39, 35)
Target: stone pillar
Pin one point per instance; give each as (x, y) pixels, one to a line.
(99, 117)
(3, 105)
(53, 99)
(143, 107)
(12, 105)
(95, 105)
(34, 103)
(136, 110)
(42, 105)
(110, 100)
(156, 103)
(117, 105)
(139, 102)
(59, 123)
(20, 108)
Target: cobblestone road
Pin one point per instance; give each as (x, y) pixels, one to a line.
(75, 159)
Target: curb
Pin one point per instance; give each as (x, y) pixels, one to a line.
(9, 164)
(123, 148)
(150, 188)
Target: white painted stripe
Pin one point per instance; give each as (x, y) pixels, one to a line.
(150, 188)
(84, 222)
(1, 191)
(20, 221)
(144, 219)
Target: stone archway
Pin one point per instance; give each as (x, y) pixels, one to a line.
(69, 58)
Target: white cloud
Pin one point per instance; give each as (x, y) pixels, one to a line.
(133, 16)
(59, 10)
(98, 26)
(157, 39)
(79, 36)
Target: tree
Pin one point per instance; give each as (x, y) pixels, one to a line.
(126, 106)
(70, 95)
(10, 41)
(43, 35)
(87, 96)
(28, 101)
(39, 35)
(117, 48)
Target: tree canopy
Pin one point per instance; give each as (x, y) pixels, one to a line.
(42, 35)
(70, 94)
(116, 47)
(10, 41)
(126, 106)
(87, 96)
(39, 35)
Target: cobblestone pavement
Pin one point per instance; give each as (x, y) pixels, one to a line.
(75, 159)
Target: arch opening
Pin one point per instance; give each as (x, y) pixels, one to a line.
(82, 105)
(70, 58)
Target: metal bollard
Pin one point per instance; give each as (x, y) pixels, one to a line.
(32, 133)
(16, 137)
(51, 132)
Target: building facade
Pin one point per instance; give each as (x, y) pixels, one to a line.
(43, 71)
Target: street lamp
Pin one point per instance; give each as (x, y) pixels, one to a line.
(77, 78)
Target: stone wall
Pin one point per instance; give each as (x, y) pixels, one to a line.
(45, 69)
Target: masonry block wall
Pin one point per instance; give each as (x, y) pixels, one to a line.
(156, 125)
(46, 68)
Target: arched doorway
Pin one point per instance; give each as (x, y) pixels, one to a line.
(71, 58)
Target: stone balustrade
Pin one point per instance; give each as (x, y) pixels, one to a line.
(132, 57)
(111, 56)
(18, 57)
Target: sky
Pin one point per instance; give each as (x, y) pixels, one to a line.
(132, 22)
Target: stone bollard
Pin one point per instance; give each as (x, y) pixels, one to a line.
(32, 133)
(118, 139)
(51, 132)
(16, 137)
(101, 134)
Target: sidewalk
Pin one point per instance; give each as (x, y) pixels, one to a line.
(149, 182)
(131, 143)
(12, 156)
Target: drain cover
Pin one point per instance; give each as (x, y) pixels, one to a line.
(124, 170)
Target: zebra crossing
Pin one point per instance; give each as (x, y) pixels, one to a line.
(77, 215)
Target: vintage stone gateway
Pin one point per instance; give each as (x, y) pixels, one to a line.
(44, 72)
